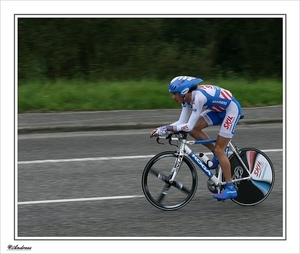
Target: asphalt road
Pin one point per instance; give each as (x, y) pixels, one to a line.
(85, 184)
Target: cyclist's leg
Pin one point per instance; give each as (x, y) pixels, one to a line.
(230, 190)
(198, 134)
(219, 151)
(226, 132)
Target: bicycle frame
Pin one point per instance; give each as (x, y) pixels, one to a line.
(185, 149)
(251, 170)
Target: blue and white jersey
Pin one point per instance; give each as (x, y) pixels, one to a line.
(208, 97)
(213, 97)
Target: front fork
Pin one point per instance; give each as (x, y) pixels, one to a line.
(177, 163)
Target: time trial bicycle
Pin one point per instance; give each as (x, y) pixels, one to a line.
(170, 180)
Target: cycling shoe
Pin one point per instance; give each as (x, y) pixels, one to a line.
(228, 192)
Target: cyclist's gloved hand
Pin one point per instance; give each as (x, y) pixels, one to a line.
(160, 131)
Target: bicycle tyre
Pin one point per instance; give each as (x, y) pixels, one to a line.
(254, 191)
(155, 178)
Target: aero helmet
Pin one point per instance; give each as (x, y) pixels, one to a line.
(183, 84)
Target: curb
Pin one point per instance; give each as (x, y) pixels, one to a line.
(111, 127)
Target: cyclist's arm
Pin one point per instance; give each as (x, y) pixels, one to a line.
(184, 115)
(199, 101)
(183, 118)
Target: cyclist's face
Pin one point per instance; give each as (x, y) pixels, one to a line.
(176, 97)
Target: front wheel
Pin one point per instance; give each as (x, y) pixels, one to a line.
(254, 191)
(158, 189)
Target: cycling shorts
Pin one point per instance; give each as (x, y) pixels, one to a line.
(227, 119)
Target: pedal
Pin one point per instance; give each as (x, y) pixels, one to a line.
(220, 200)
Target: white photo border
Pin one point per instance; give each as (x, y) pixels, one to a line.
(10, 10)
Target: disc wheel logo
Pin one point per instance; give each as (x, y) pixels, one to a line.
(237, 173)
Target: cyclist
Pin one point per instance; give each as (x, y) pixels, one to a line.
(221, 108)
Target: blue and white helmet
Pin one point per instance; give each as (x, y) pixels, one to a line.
(183, 84)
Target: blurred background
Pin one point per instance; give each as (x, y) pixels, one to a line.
(131, 48)
(81, 50)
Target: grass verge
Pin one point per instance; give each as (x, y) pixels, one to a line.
(146, 94)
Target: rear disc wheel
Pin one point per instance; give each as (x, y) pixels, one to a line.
(254, 191)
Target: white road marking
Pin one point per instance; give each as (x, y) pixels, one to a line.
(76, 200)
(109, 158)
(95, 159)
(87, 159)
